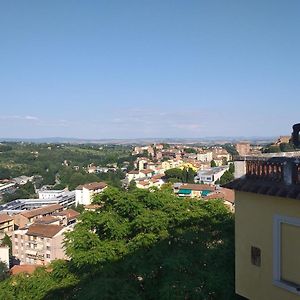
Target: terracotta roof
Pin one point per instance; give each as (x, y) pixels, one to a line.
(147, 171)
(28, 269)
(197, 187)
(223, 193)
(41, 211)
(154, 180)
(143, 183)
(43, 230)
(158, 176)
(92, 186)
(46, 220)
(5, 218)
(134, 172)
(92, 206)
(260, 186)
(69, 213)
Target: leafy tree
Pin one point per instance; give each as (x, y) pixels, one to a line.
(150, 244)
(230, 149)
(6, 241)
(231, 168)
(226, 177)
(5, 173)
(272, 149)
(174, 173)
(4, 272)
(286, 147)
(79, 208)
(213, 164)
(190, 150)
(132, 185)
(23, 192)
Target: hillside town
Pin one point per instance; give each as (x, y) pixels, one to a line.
(36, 226)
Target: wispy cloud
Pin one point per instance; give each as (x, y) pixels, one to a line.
(31, 118)
(155, 122)
(17, 117)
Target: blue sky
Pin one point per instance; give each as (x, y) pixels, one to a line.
(159, 68)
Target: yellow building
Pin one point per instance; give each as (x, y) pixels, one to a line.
(188, 165)
(267, 228)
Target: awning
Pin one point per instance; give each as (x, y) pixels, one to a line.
(184, 192)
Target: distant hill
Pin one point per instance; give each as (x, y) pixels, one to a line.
(138, 141)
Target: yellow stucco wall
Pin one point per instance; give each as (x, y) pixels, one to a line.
(254, 227)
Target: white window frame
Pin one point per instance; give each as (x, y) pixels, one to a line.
(278, 220)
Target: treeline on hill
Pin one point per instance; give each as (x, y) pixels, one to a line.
(140, 245)
(47, 160)
(283, 147)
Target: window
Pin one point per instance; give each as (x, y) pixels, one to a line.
(48, 255)
(48, 248)
(286, 249)
(255, 256)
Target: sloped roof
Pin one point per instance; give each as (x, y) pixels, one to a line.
(69, 213)
(5, 218)
(134, 172)
(92, 186)
(41, 211)
(265, 187)
(28, 269)
(46, 220)
(197, 187)
(147, 171)
(43, 230)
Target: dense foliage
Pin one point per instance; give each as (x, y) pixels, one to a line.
(140, 245)
(180, 175)
(283, 147)
(62, 165)
(23, 192)
(230, 149)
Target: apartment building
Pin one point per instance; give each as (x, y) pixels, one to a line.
(211, 175)
(46, 198)
(27, 217)
(86, 192)
(39, 244)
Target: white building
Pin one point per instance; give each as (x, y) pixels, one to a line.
(50, 194)
(4, 255)
(211, 175)
(205, 156)
(85, 193)
(66, 199)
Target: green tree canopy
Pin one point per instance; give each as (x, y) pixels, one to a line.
(140, 245)
(213, 164)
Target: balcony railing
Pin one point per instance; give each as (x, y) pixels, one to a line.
(283, 170)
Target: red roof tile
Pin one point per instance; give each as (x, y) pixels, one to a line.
(5, 218)
(43, 230)
(28, 269)
(41, 211)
